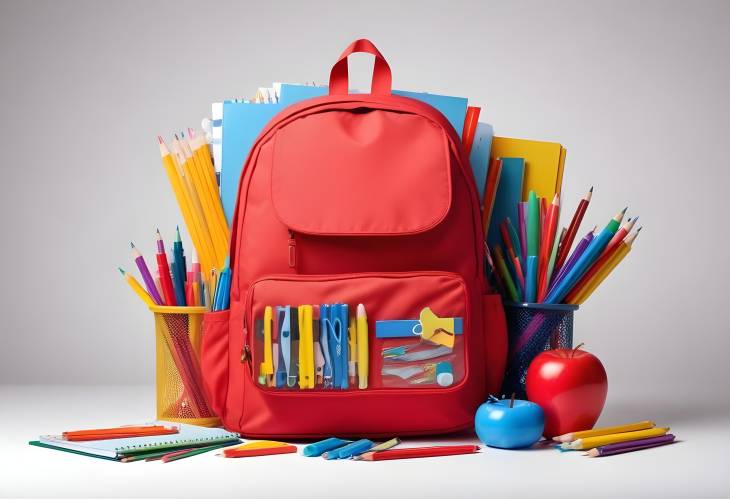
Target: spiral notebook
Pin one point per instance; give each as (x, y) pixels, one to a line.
(188, 436)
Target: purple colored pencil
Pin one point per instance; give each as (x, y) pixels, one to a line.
(572, 259)
(149, 282)
(631, 446)
(522, 222)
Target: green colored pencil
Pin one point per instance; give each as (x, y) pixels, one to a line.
(533, 224)
(195, 452)
(504, 272)
(553, 255)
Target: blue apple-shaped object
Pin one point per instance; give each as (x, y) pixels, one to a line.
(499, 425)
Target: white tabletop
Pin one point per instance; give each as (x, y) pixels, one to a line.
(695, 466)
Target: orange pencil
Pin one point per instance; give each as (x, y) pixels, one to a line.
(470, 128)
(546, 246)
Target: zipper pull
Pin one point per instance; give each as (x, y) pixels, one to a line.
(292, 250)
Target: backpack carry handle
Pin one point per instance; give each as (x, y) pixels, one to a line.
(381, 83)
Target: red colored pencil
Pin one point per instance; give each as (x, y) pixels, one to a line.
(620, 235)
(572, 231)
(490, 191)
(168, 292)
(546, 246)
(444, 450)
(470, 128)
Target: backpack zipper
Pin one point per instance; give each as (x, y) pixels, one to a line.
(292, 250)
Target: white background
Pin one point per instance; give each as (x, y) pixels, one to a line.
(637, 92)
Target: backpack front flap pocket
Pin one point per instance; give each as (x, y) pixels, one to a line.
(310, 375)
(361, 172)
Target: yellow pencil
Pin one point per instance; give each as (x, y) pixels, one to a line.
(608, 430)
(202, 152)
(590, 286)
(591, 442)
(205, 251)
(137, 288)
(175, 176)
(362, 347)
(193, 170)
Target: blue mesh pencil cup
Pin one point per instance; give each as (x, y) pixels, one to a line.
(533, 328)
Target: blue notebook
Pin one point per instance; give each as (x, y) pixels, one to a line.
(509, 193)
(479, 157)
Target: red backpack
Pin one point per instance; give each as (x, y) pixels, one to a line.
(365, 198)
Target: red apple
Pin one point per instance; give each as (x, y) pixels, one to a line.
(570, 386)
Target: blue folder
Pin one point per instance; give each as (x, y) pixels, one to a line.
(243, 122)
(479, 157)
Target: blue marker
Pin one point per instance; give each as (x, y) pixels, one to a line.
(318, 448)
(531, 279)
(350, 450)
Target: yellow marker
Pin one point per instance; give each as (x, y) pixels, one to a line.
(306, 347)
(137, 288)
(352, 350)
(608, 430)
(362, 347)
(267, 366)
(591, 442)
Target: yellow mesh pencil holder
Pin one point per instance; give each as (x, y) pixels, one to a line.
(179, 384)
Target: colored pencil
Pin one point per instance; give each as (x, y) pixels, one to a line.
(514, 236)
(533, 224)
(416, 452)
(470, 128)
(119, 432)
(146, 276)
(546, 246)
(207, 249)
(614, 438)
(574, 257)
(172, 162)
(182, 454)
(163, 268)
(631, 446)
(504, 274)
(620, 234)
(573, 229)
(553, 254)
(583, 290)
(606, 430)
(522, 226)
(138, 289)
(490, 192)
(591, 253)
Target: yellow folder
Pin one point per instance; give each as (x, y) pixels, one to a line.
(544, 163)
